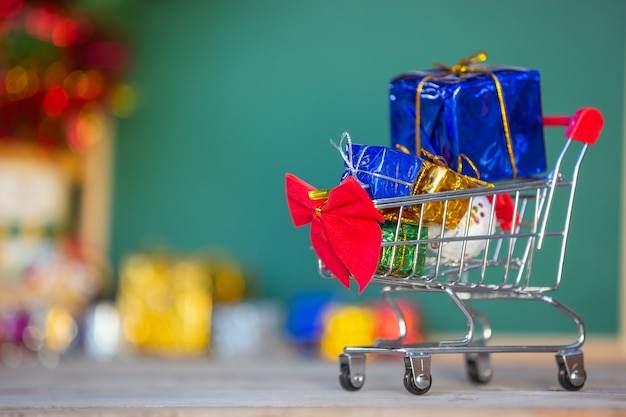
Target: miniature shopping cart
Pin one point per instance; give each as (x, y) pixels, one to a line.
(503, 269)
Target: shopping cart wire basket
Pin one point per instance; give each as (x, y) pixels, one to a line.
(516, 223)
(502, 270)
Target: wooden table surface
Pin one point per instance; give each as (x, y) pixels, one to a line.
(291, 385)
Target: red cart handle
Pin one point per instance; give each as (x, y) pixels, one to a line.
(584, 126)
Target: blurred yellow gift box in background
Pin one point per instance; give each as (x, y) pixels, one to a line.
(166, 301)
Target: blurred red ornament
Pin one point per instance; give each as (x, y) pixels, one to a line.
(39, 22)
(55, 101)
(388, 322)
(64, 33)
(10, 8)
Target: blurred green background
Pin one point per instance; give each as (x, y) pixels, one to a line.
(234, 94)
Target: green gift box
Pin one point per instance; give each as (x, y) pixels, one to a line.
(401, 260)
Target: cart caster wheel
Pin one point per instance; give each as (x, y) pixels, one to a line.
(426, 382)
(424, 379)
(573, 381)
(478, 368)
(351, 372)
(572, 375)
(347, 383)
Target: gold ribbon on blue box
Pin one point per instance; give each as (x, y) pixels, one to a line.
(490, 114)
(385, 172)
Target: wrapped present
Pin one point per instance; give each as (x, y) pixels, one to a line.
(384, 172)
(402, 260)
(165, 304)
(436, 178)
(492, 115)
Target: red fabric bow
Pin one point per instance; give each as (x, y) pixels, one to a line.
(345, 233)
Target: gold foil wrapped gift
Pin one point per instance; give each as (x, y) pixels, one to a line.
(165, 304)
(435, 178)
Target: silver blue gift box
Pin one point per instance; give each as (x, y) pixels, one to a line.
(461, 115)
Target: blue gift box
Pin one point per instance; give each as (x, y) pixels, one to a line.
(384, 172)
(461, 115)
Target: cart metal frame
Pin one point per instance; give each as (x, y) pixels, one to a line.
(502, 271)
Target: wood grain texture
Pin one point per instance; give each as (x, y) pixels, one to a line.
(294, 386)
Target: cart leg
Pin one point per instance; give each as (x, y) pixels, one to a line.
(417, 378)
(572, 375)
(482, 319)
(351, 371)
(479, 367)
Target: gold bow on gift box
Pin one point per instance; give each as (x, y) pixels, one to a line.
(461, 68)
(435, 177)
